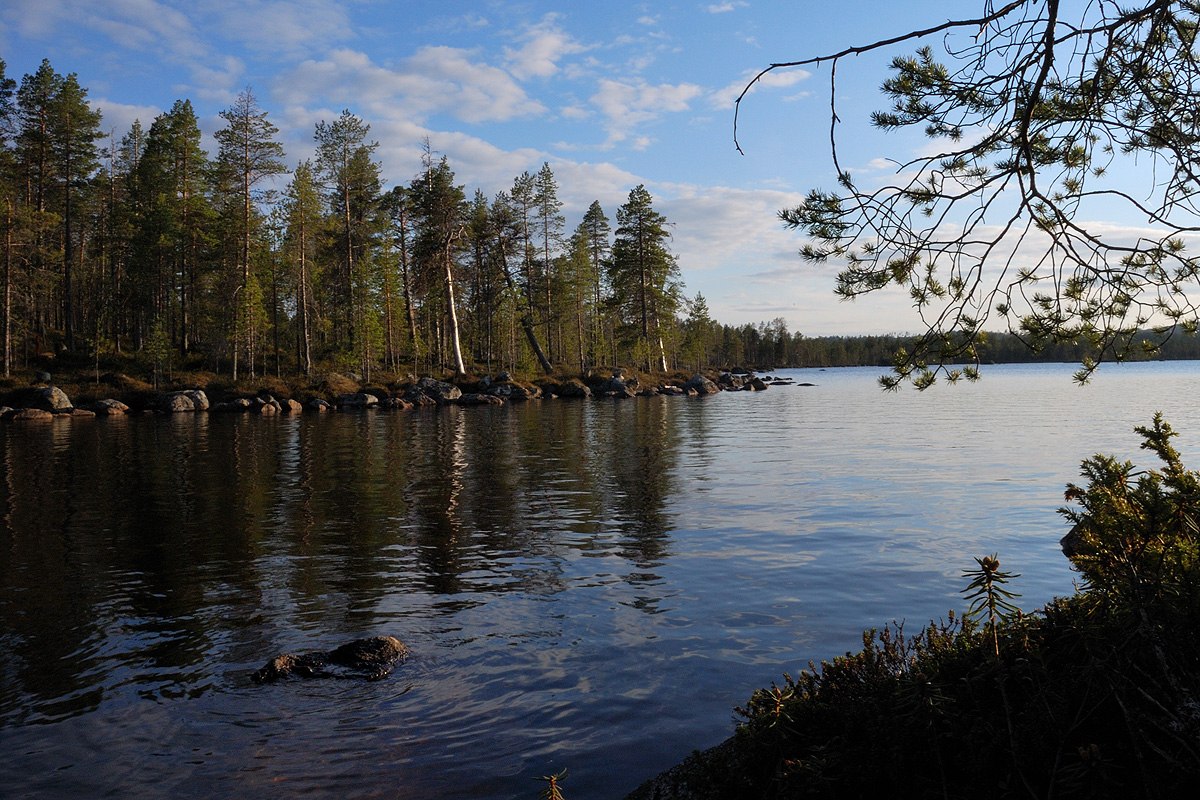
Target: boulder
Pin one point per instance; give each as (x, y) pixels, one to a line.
(479, 399)
(199, 399)
(79, 413)
(267, 406)
(5, 412)
(394, 403)
(187, 400)
(108, 408)
(370, 659)
(616, 387)
(440, 392)
(31, 415)
(672, 390)
(358, 400)
(319, 405)
(573, 388)
(757, 385)
(730, 381)
(700, 385)
(50, 398)
(290, 406)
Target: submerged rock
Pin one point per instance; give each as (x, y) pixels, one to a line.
(369, 659)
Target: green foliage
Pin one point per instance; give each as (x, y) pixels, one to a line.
(1135, 533)
(989, 599)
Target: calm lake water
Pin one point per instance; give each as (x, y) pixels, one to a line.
(583, 585)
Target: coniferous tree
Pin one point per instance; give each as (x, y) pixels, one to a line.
(353, 189)
(522, 199)
(644, 277)
(75, 133)
(302, 209)
(439, 209)
(595, 226)
(548, 223)
(248, 152)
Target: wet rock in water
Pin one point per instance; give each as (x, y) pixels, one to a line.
(477, 399)
(358, 400)
(189, 400)
(368, 659)
(290, 406)
(700, 385)
(573, 387)
(440, 392)
(319, 405)
(31, 415)
(108, 408)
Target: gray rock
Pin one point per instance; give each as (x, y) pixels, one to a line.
(290, 406)
(187, 400)
(700, 385)
(108, 408)
(199, 399)
(440, 392)
(51, 398)
(615, 387)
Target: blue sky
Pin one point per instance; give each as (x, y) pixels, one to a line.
(610, 94)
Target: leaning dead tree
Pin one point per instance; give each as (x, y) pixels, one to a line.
(1060, 201)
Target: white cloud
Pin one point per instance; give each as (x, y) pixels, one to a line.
(775, 79)
(627, 105)
(282, 26)
(724, 8)
(543, 46)
(434, 80)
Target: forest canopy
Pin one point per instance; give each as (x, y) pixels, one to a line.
(143, 243)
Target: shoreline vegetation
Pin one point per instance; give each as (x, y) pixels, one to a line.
(138, 384)
(89, 393)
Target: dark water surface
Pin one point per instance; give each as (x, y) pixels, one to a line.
(583, 585)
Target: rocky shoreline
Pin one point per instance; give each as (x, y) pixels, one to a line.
(43, 401)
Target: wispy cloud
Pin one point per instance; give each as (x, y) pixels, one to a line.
(626, 105)
(543, 46)
(435, 80)
(724, 8)
(724, 97)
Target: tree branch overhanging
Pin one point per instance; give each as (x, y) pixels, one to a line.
(1045, 205)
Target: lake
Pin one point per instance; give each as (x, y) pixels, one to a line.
(583, 585)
